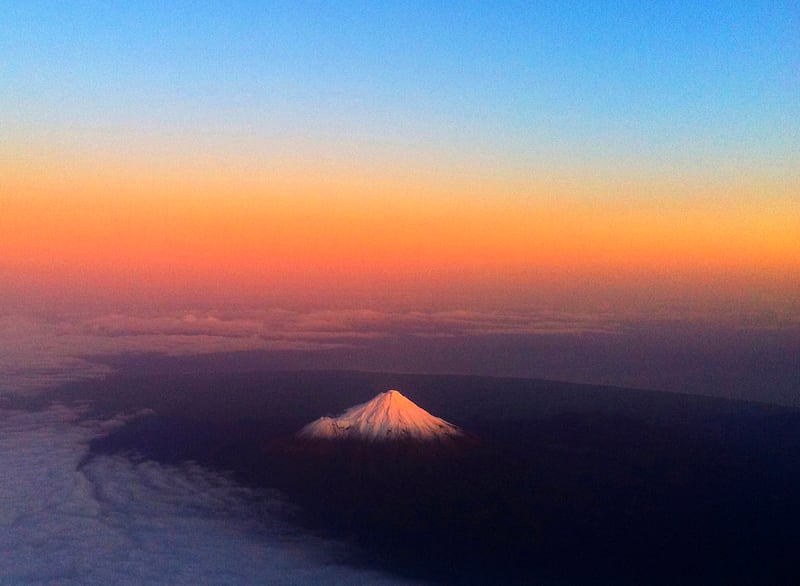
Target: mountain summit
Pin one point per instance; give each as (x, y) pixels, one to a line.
(388, 417)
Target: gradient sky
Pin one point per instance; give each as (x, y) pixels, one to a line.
(450, 155)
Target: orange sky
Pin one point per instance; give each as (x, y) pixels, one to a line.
(170, 229)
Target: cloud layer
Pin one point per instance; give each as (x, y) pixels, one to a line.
(116, 521)
(37, 352)
(747, 355)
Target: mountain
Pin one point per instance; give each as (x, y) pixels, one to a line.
(387, 417)
(650, 487)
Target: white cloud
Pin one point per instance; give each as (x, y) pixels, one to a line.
(114, 521)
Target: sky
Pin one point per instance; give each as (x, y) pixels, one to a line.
(181, 160)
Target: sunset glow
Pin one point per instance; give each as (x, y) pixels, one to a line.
(256, 229)
(146, 180)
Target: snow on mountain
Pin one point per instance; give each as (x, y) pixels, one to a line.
(388, 416)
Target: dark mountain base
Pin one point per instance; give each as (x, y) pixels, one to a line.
(488, 514)
(569, 484)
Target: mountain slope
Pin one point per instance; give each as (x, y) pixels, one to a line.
(388, 417)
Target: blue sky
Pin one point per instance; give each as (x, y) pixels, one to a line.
(658, 83)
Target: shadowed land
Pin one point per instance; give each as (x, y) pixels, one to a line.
(568, 482)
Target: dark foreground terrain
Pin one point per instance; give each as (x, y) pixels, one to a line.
(567, 483)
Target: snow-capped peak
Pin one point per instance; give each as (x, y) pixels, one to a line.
(388, 416)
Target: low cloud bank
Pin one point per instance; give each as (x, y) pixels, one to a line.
(38, 352)
(737, 355)
(116, 521)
